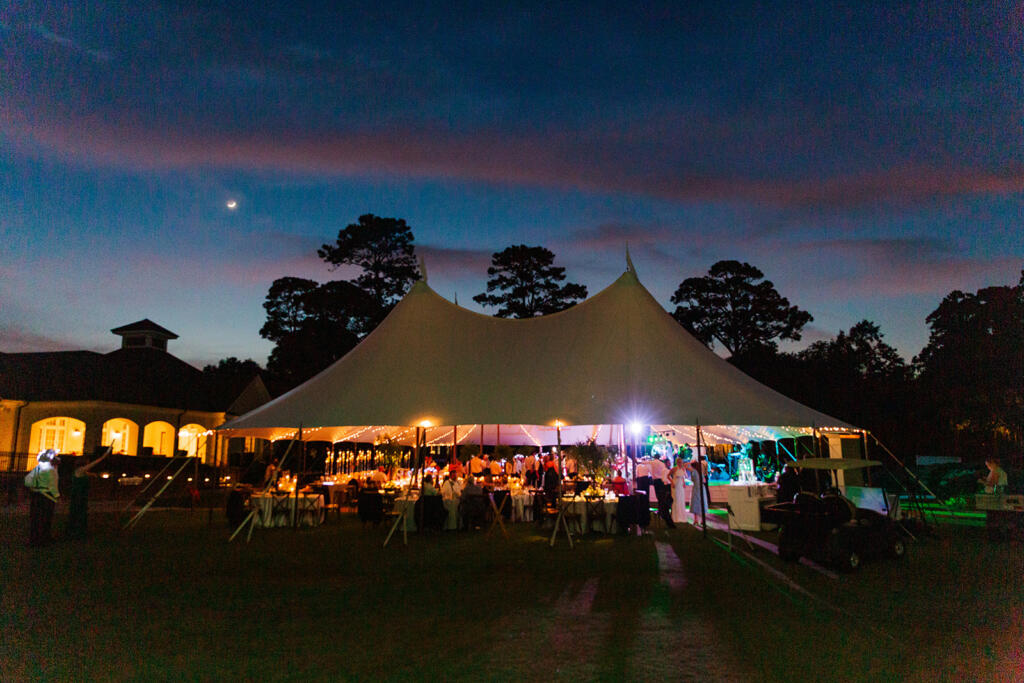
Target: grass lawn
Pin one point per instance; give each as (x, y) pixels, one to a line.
(172, 600)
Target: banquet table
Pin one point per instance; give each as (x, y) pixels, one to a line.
(281, 509)
(407, 504)
(578, 505)
(522, 506)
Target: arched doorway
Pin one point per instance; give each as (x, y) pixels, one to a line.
(190, 440)
(62, 434)
(122, 435)
(159, 436)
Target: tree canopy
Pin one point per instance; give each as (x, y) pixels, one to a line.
(860, 353)
(383, 249)
(312, 325)
(523, 282)
(974, 361)
(233, 370)
(730, 305)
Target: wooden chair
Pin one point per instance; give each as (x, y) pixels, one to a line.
(595, 512)
(474, 511)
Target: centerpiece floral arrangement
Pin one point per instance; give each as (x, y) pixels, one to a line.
(594, 464)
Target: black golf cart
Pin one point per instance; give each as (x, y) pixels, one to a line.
(829, 528)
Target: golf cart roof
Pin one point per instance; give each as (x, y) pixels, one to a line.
(834, 464)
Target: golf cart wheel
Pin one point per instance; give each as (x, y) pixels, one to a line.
(849, 560)
(787, 551)
(897, 548)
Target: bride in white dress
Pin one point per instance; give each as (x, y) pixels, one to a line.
(677, 475)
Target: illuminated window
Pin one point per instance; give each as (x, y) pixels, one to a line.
(122, 435)
(63, 434)
(190, 439)
(159, 436)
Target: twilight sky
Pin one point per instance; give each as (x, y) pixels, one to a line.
(868, 158)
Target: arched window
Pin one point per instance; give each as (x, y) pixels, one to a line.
(122, 435)
(159, 436)
(63, 434)
(191, 440)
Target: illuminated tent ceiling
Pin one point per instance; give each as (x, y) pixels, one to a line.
(615, 359)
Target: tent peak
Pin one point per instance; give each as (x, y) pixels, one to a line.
(423, 269)
(629, 261)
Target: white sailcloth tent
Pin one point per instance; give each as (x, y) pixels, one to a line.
(616, 359)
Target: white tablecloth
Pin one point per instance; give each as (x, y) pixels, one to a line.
(281, 510)
(580, 506)
(408, 505)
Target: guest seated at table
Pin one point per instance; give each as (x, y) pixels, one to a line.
(451, 488)
(996, 481)
(471, 488)
(618, 483)
(571, 467)
(379, 477)
(428, 486)
(495, 468)
(270, 473)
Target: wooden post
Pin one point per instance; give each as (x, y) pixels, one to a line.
(558, 438)
(702, 482)
(295, 498)
(455, 446)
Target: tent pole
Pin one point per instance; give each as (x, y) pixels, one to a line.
(558, 438)
(864, 441)
(295, 501)
(703, 484)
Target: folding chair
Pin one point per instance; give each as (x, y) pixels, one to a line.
(595, 512)
(474, 511)
(310, 511)
(281, 510)
(370, 508)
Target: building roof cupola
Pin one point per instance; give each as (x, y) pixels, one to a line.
(144, 334)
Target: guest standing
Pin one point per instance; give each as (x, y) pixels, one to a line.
(43, 494)
(698, 500)
(530, 469)
(659, 475)
(677, 475)
(552, 479)
(789, 485)
(78, 499)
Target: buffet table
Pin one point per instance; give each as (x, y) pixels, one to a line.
(746, 503)
(282, 509)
